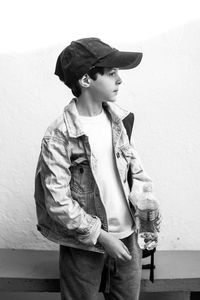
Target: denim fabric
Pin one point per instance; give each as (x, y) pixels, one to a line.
(68, 201)
(84, 273)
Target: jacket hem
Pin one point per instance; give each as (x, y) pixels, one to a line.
(68, 242)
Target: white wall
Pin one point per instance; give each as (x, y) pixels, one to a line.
(164, 94)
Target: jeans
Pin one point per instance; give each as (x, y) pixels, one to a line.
(83, 274)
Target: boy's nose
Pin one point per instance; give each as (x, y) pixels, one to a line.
(119, 80)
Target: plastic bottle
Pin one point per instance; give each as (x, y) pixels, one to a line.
(147, 211)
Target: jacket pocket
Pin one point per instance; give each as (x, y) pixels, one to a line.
(82, 180)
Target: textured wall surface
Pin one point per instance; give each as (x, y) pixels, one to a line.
(164, 94)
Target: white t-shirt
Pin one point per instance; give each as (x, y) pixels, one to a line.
(98, 129)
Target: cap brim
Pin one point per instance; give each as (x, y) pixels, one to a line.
(120, 59)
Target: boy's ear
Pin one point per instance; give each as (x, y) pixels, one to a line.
(84, 81)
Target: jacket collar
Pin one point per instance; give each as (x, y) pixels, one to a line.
(71, 116)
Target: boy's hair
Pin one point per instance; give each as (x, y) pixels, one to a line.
(76, 89)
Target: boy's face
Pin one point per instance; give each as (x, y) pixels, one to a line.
(106, 86)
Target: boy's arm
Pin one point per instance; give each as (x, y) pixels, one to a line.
(139, 176)
(55, 177)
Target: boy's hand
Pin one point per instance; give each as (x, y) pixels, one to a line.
(113, 246)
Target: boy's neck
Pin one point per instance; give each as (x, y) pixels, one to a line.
(88, 106)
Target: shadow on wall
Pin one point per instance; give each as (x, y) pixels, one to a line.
(164, 94)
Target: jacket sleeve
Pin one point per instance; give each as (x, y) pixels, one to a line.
(55, 176)
(139, 176)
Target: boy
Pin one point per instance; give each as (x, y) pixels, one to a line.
(81, 192)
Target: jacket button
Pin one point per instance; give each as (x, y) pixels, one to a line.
(118, 155)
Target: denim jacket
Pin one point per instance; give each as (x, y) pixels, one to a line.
(68, 203)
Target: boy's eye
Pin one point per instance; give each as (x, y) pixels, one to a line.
(113, 73)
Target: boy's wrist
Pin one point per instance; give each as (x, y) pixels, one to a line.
(102, 237)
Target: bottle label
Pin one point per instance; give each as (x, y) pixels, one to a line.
(148, 215)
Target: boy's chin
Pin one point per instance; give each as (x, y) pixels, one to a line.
(113, 99)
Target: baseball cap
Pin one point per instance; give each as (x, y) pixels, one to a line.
(83, 54)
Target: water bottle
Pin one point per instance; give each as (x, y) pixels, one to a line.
(147, 212)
